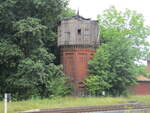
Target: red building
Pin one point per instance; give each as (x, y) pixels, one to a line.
(142, 87)
(143, 83)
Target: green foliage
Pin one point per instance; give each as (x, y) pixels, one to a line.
(10, 54)
(128, 24)
(68, 12)
(113, 68)
(141, 70)
(38, 79)
(99, 71)
(28, 31)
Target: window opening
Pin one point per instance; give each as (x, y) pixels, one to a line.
(79, 31)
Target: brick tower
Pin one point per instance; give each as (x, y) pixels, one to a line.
(77, 40)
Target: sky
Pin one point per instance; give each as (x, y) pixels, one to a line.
(91, 8)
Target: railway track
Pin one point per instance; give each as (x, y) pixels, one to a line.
(91, 109)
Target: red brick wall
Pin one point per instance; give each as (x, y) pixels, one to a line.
(141, 88)
(75, 63)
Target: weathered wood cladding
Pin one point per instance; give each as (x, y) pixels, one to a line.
(78, 31)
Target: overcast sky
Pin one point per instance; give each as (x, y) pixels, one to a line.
(91, 8)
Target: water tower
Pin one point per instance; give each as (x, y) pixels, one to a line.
(78, 38)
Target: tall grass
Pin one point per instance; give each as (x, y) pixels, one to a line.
(59, 102)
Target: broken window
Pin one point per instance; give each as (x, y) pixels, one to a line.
(79, 31)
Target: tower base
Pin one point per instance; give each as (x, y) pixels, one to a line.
(75, 65)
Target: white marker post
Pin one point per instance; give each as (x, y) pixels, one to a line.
(103, 93)
(5, 103)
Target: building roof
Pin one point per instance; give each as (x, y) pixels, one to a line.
(76, 17)
(142, 78)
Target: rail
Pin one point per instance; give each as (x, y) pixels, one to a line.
(89, 109)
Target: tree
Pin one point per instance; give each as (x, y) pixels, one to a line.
(128, 24)
(99, 72)
(36, 78)
(10, 54)
(28, 31)
(113, 68)
(141, 69)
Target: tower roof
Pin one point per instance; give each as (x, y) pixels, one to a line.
(76, 17)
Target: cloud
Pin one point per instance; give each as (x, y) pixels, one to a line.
(91, 8)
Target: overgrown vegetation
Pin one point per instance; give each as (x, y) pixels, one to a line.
(114, 67)
(28, 50)
(71, 102)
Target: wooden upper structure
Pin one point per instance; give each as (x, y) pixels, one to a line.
(78, 31)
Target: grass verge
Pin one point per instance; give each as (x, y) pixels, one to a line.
(58, 102)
